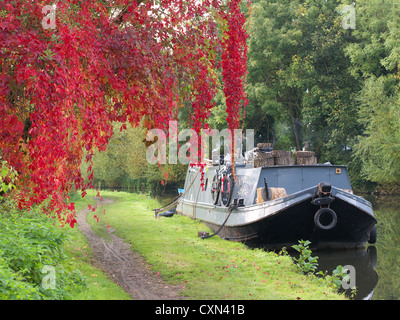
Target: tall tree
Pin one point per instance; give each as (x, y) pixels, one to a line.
(273, 43)
(298, 72)
(375, 57)
(329, 104)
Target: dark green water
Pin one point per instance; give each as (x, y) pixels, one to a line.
(377, 266)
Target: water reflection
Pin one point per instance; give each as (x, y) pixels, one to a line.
(387, 212)
(377, 267)
(363, 260)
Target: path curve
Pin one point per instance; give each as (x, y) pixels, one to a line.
(124, 266)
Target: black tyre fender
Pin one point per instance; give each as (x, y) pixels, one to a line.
(323, 212)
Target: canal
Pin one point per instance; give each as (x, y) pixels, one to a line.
(377, 266)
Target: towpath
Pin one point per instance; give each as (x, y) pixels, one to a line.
(124, 266)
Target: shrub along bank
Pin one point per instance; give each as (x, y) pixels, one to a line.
(41, 261)
(33, 262)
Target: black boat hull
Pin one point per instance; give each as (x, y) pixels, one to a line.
(286, 227)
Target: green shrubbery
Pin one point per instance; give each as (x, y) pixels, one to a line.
(29, 241)
(307, 264)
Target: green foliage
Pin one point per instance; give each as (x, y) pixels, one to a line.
(8, 177)
(124, 164)
(29, 241)
(124, 157)
(273, 43)
(305, 263)
(298, 74)
(312, 80)
(375, 59)
(339, 276)
(379, 148)
(336, 279)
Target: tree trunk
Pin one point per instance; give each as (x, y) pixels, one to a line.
(296, 129)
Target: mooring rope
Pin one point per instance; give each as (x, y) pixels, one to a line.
(231, 207)
(174, 202)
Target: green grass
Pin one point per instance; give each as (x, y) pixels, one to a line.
(208, 269)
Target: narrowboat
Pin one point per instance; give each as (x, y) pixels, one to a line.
(276, 205)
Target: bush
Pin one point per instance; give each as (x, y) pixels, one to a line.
(29, 241)
(305, 263)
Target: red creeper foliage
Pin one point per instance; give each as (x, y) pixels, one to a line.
(122, 61)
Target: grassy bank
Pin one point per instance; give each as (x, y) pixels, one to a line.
(41, 261)
(208, 269)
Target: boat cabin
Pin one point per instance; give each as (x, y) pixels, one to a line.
(290, 178)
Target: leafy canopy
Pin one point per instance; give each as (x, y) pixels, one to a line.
(105, 61)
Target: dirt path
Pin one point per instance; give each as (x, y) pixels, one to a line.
(127, 268)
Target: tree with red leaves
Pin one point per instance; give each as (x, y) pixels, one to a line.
(67, 76)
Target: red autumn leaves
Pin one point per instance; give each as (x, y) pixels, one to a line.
(234, 63)
(61, 89)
